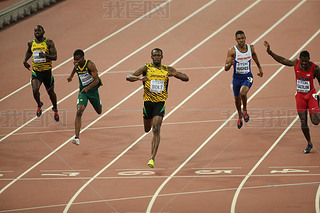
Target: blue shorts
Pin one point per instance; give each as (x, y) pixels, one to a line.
(238, 83)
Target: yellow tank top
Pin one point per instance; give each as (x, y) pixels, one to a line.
(156, 89)
(40, 64)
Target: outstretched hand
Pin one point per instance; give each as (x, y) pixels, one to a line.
(267, 45)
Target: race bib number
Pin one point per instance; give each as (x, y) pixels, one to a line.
(86, 79)
(303, 86)
(156, 86)
(37, 58)
(243, 68)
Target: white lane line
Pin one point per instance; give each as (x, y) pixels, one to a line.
(140, 125)
(112, 108)
(236, 195)
(161, 195)
(317, 200)
(159, 177)
(96, 44)
(227, 121)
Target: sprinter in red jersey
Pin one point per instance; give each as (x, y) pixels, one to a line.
(306, 95)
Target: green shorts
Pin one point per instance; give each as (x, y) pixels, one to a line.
(92, 96)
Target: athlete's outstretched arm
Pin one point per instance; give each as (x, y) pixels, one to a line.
(316, 73)
(27, 56)
(255, 58)
(135, 76)
(278, 58)
(230, 59)
(72, 74)
(173, 72)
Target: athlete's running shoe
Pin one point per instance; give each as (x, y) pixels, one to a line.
(151, 163)
(308, 149)
(76, 141)
(39, 110)
(239, 123)
(55, 115)
(245, 116)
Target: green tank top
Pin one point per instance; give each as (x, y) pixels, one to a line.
(85, 78)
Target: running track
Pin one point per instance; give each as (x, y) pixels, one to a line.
(204, 163)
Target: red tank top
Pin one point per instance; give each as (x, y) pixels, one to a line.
(304, 78)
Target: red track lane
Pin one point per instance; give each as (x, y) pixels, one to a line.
(207, 183)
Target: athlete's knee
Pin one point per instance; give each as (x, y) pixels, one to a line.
(156, 129)
(80, 111)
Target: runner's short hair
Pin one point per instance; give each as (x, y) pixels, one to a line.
(304, 54)
(239, 32)
(157, 49)
(78, 52)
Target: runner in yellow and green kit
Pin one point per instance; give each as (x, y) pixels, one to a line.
(155, 78)
(89, 82)
(43, 52)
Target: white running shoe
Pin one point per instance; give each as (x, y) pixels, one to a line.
(76, 141)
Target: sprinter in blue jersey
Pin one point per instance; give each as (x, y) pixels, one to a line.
(240, 58)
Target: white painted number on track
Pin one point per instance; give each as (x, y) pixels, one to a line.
(213, 172)
(137, 173)
(289, 171)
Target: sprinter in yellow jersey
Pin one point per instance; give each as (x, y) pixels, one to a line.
(43, 52)
(155, 78)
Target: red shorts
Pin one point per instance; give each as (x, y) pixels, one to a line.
(306, 101)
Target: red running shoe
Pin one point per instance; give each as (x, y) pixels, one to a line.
(56, 116)
(245, 116)
(39, 110)
(239, 123)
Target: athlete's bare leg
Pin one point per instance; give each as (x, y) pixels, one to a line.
(156, 125)
(147, 123)
(77, 123)
(53, 98)
(35, 89)
(243, 94)
(237, 101)
(304, 126)
(315, 118)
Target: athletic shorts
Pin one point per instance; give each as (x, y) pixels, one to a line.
(44, 77)
(92, 96)
(151, 109)
(306, 101)
(238, 83)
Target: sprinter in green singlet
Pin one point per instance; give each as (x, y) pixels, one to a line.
(89, 82)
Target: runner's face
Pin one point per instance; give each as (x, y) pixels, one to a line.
(38, 32)
(241, 40)
(156, 57)
(304, 63)
(78, 60)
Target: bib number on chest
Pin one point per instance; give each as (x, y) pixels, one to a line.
(242, 68)
(303, 86)
(156, 86)
(86, 79)
(37, 58)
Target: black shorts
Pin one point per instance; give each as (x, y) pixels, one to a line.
(44, 77)
(151, 109)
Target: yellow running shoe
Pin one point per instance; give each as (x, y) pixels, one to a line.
(151, 163)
